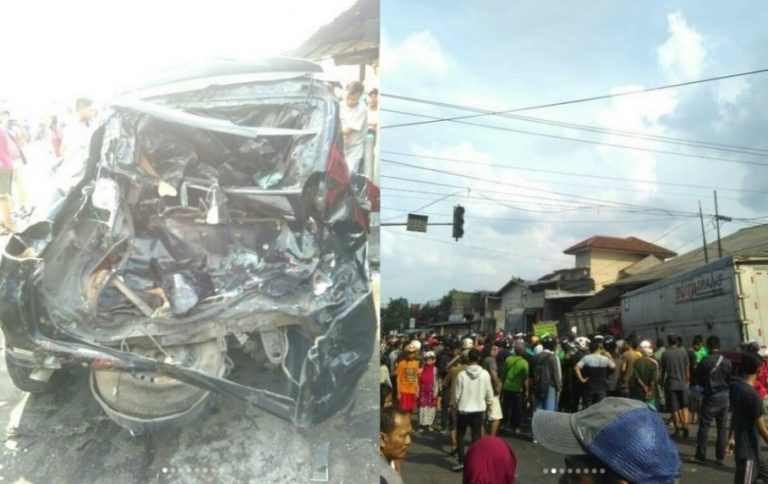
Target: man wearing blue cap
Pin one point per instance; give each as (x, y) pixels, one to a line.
(589, 438)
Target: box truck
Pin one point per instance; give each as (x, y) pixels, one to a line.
(727, 297)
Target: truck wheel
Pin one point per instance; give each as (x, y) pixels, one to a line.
(19, 371)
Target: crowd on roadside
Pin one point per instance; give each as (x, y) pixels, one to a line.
(40, 159)
(497, 384)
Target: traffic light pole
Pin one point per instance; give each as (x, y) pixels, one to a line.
(419, 223)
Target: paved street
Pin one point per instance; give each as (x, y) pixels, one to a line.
(428, 462)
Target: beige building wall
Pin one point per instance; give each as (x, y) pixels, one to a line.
(605, 265)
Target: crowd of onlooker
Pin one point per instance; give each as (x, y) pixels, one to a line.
(507, 384)
(39, 160)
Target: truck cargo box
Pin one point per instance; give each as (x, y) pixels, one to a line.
(725, 297)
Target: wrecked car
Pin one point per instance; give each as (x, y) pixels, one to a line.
(215, 245)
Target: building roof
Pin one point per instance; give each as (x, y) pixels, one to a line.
(351, 38)
(515, 281)
(751, 241)
(629, 244)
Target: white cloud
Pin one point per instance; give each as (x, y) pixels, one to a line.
(639, 113)
(681, 57)
(418, 53)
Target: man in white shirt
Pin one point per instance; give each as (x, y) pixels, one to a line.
(474, 395)
(75, 146)
(354, 125)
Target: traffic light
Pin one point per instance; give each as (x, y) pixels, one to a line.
(458, 222)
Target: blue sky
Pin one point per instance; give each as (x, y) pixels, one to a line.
(500, 55)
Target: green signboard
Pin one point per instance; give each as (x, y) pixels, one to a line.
(549, 328)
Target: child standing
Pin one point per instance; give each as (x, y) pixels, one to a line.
(428, 391)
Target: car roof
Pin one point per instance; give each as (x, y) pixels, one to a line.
(219, 67)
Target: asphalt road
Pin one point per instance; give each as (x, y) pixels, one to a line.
(428, 463)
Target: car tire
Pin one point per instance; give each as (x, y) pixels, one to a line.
(20, 372)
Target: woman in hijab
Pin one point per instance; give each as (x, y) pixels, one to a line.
(490, 460)
(428, 391)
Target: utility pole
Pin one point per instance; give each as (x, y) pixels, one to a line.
(717, 224)
(703, 235)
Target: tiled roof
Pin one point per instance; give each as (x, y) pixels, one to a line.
(629, 244)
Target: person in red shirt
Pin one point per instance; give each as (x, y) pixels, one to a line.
(7, 145)
(761, 383)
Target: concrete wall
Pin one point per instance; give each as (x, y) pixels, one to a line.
(513, 306)
(605, 265)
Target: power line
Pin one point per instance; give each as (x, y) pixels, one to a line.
(581, 175)
(575, 197)
(524, 199)
(523, 220)
(572, 101)
(436, 201)
(448, 185)
(499, 182)
(621, 206)
(677, 227)
(695, 238)
(584, 127)
(601, 143)
(628, 209)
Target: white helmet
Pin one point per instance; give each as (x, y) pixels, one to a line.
(467, 344)
(646, 347)
(583, 342)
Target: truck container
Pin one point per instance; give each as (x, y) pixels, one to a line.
(726, 297)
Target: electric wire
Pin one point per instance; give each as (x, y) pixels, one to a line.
(595, 129)
(567, 173)
(603, 143)
(575, 101)
(499, 182)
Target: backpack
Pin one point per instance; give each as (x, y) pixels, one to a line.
(542, 379)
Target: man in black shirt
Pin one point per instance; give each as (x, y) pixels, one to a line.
(592, 371)
(746, 422)
(713, 374)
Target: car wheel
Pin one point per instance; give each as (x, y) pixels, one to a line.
(149, 402)
(20, 372)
